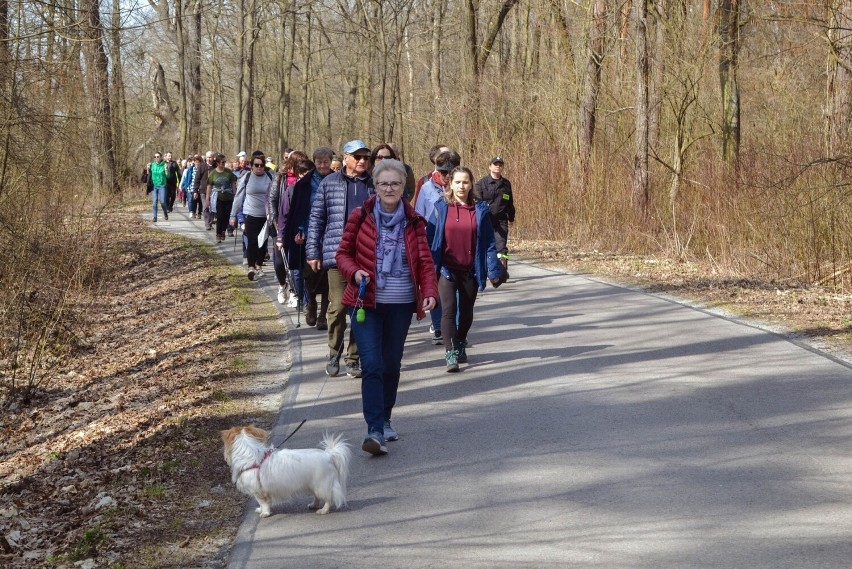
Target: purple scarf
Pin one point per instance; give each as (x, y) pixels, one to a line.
(390, 226)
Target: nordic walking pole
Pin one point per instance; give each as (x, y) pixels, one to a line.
(289, 277)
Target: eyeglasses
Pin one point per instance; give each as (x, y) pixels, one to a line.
(382, 156)
(258, 164)
(389, 185)
(360, 157)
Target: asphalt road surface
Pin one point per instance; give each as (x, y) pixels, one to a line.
(594, 426)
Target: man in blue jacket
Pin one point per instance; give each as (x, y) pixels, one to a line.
(337, 196)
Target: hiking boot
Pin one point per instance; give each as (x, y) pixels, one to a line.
(332, 368)
(452, 360)
(374, 444)
(322, 323)
(282, 295)
(462, 344)
(166, 216)
(390, 434)
(258, 273)
(437, 338)
(353, 369)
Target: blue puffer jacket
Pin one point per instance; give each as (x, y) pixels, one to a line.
(485, 263)
(328, 217)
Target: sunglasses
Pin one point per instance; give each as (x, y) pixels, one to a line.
(156, 155)
(257, 164)
(382, 156)
(360, 157)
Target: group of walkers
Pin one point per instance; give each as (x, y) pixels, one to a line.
(369, 239)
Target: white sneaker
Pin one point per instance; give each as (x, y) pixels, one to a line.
(293, 301)
(245, 261)
(282, 295)
(258, 273)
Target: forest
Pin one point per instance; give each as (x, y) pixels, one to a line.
(712, 131)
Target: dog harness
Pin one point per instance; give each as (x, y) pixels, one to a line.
(257, 465)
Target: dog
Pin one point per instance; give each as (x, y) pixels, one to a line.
(273, 476)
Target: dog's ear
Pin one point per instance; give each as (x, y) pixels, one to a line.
(256, 432)
(229, 435)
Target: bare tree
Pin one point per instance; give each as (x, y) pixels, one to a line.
(640, 159)
(729, 48)
(838, 102)
(97, 82)
(591, 89)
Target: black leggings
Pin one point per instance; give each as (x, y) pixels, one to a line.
(464, 287)
(223, 215)
(254, 254)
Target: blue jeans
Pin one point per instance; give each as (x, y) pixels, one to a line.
(381, 339)
(158, 194)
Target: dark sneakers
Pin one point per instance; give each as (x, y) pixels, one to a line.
(332, 368)
(374, 444)
(462, 344)
(353, 369)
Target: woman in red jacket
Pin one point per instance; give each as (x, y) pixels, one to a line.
(384, 245)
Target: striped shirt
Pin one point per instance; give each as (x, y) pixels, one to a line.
(398, 290)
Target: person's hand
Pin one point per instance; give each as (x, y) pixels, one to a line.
(233, 222)
(279, 244)
(299, 238)
(315, 265)
(361, 274)
(429, 303)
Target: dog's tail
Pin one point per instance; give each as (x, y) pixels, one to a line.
(340, 453)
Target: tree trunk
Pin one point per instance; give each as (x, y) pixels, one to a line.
(118, 103)
(589, 99)
(729, 46)
(438, 8)
(640, 160)
(194, 79)
(240, 91)
(838, 102)
(180, 38)
(97, 82)
(284, 101)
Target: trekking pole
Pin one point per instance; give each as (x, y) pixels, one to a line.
(289, 277)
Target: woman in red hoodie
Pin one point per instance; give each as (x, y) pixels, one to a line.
(384, 246)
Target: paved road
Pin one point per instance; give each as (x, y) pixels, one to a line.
(595, 426)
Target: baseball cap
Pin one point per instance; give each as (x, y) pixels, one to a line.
(497, 160)
(241, 154)
(354, 146)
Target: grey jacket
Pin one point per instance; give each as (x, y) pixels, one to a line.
(328, 217)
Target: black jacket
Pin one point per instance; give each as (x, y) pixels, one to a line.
(498, 194)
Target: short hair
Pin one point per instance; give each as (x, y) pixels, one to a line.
(323, 152)
(448, 191)
(390, 164)
(434, 151)
(293, 159)
(303, 167)
(450, 157)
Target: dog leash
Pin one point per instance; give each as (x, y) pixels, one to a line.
(359, 317)
(294, 431)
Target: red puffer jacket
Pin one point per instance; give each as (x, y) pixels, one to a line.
(358, 251)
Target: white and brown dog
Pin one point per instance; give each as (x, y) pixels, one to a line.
(273, 476)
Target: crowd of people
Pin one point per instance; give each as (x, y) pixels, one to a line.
(357, 235)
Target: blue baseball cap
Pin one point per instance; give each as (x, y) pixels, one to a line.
(354, 146)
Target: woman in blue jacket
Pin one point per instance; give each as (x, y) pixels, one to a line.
(462, 243)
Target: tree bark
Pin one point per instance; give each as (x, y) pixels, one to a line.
(589, 99)
(194, 78)
(118, 103)
(729, 46)
(97, 82)
(640, 159)
(838, 102)
(438, 8)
